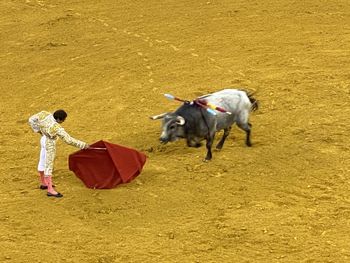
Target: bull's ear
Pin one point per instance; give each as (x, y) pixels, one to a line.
(160, 116)
(180, 120)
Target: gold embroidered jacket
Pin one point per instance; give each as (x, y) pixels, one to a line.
(45, 123)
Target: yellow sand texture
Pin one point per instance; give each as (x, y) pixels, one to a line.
(108, 63)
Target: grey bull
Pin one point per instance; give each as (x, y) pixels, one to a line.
(194, 123)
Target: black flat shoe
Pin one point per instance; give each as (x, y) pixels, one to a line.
(44, 187)
(56, 195)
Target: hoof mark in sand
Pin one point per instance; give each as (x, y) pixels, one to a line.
(175, 48)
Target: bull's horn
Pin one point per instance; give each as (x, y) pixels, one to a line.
(160, 116)
(180, 120)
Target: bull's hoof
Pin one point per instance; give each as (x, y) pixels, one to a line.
(194, 144)
(207, 159)
(218, 147)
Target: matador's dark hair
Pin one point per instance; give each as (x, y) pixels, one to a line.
(60, 115)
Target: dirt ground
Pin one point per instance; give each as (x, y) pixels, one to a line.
(107, 63)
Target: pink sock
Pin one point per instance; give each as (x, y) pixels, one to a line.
(50, 189)
(42, 178)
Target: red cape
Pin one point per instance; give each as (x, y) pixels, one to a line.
(106, 168)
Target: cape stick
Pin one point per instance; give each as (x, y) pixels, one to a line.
(96, 148)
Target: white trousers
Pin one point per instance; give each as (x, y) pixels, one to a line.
(47, 155)
(42, 157)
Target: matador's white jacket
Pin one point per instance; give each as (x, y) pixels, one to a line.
(45, 123)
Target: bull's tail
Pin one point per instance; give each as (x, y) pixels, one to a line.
(253, 101)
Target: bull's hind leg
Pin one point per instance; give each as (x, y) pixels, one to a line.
(247, 128)
(221, 142)
(245, 125)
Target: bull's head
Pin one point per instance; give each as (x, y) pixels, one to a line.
(171, 126)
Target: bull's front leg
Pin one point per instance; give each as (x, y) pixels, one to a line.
(210, 140)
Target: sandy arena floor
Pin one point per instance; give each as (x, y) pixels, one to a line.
(107, 63)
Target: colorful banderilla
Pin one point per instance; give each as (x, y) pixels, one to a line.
(171, 97)
(212, 106)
